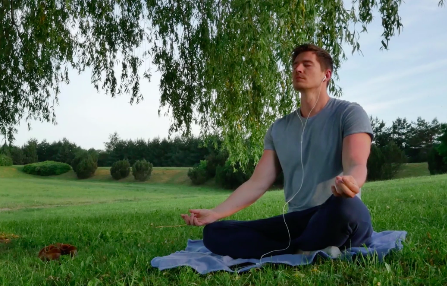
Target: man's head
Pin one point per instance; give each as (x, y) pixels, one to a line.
(312, 66)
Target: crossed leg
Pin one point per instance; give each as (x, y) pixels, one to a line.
(341, 222)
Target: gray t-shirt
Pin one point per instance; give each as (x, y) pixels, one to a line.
(322, 149)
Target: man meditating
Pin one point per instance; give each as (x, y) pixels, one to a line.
(322, 149)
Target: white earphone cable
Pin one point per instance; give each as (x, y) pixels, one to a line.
(302, 168)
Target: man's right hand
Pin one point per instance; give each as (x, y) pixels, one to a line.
(200, 217)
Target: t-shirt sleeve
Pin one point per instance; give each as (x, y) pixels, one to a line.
(268, 139)
(355, 120)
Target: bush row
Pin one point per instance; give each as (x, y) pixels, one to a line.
(141, 170)
(85, 165)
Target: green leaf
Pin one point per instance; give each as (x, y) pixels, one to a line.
(197, 46)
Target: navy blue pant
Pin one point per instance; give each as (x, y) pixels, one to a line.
(341, 222)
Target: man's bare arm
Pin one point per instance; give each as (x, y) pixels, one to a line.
(356, 149)
(249, 192)
(263, 177)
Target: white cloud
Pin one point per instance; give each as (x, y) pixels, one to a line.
(383, 105)
(391, 78)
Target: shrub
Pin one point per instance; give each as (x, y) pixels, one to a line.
(5, 150)
(394, 159)
(442, 148)
(199, 174)
(5, 160)
(375, 163)
(120, 169)
(17, 155)
(214, 160)
(229, 178)
(47, 168)
(92, 152)
(142, 170)
(84, 164)
(436, 164)
(384, 163)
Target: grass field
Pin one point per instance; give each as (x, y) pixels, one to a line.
(114, 227)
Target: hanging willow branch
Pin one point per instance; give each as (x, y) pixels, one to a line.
(224, 64)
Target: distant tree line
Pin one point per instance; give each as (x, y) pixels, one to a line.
(415, 139)
(402, 142)
(394, 145)
(176, 152)
(405, 142)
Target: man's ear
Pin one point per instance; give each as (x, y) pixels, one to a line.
(328, 75)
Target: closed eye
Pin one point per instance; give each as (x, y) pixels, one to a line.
(307, 63)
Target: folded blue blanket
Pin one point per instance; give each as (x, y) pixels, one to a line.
(197, 256)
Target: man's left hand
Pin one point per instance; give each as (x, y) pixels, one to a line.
(345, 186)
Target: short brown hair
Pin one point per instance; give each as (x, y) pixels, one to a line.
(323, 57)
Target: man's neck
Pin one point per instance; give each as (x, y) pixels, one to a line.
(311, 99)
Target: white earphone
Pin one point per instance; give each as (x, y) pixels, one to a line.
(302, 167)
(302, 177)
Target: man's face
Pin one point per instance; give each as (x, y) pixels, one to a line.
(307, 73)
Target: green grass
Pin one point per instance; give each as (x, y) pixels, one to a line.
(114, 227)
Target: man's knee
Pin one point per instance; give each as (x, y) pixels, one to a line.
(209, 230)
(348, 209)
(212, 233)
(351, 216)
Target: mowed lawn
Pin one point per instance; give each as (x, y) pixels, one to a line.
(116, 228)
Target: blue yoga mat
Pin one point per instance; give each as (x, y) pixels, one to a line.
(197, 256)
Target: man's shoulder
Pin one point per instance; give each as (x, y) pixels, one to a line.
(342, 105)
(342, 109)
(285, 119)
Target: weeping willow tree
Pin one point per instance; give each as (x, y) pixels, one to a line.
(224, 64)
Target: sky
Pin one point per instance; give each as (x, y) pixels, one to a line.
(406, 81)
